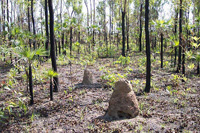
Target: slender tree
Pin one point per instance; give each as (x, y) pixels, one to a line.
(47, 27)
(105, 29)
(70, 41)
(148, 51)
(33, 22)
(94, 23)
(127, 28)
(31, 84)
(161, 53)
(123, 29)
(52, 40)
(140, 36)
(180, 38)
(175, 33)
(29, 25)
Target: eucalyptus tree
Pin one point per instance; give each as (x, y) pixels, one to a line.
(105, 28)
(46, 26)
(148, 51)
(180, 37)
(94, 22)
(33, 22)
(127, 26)
(175, 34)
(140, 36)
(123, 27)
(52, 41)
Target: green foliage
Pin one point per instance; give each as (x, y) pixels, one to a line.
(104, 51)
(123, 60)
(29, 55)
(52, 74)
(111, 78)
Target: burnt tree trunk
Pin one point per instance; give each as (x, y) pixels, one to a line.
(31, 84)
(33, 22)
(127, 29)
(148, 51)
(180, 39)
(52, 40)
(123, 33)
(140, 37)
(161, 52)
(46, 25)
(70, 41)
(175, 32)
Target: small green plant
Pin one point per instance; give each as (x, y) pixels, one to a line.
(32, 117)
(51, 74)
(123, 60)
(111, 78)
(141, 106)
(175, 79)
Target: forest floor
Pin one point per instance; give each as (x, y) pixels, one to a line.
(171, 106)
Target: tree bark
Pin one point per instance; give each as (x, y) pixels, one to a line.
(105, 30)
(148, 51)
(51, 89)
(94, 24)
(52, 40)
(140, 37)
(161, 53)
(70, 41)
(175, 32)
(180, 39)
(127, 28)
(31, 84)
(33, 22)
(123, 33)
(47, 27)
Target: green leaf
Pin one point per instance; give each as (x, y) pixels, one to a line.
(176, 43)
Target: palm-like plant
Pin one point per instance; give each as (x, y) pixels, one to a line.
(28, 55)
(51, 74)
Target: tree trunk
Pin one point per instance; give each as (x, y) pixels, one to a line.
(41, 21)
(180, 38)
(52, 40)
(56, 47)
(47, 28)
(94, 24)
(140, 37)
(63, 40)
(148, 51)
(123, 33)
(29, 25)
(31, 84)
(70, 42)
(175, 32)
(8, 15)
(127, 27)
(161, 53)
(51, 89)
(105, 30)
(3, 22)
(33, 21)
